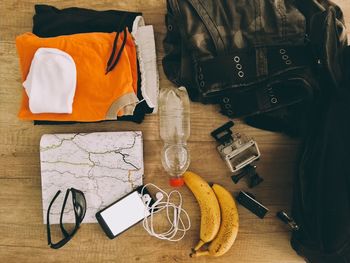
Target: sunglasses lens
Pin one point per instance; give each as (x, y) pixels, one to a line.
(68, 217)
(80, 204)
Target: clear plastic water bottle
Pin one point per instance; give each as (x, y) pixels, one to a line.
(174, 121)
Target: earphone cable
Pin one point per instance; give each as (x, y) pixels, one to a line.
(176, 222)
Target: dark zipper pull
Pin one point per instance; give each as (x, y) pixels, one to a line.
(285, 218)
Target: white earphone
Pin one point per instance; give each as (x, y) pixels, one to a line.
(177, 224)
(159, 196)
(146, 199)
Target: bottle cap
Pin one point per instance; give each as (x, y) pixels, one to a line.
(176, 182)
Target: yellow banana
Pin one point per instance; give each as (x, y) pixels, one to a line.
(209, 206)
(229, 224)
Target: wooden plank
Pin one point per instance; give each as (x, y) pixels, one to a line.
(27, 203)
(23, 161)
(89, 247)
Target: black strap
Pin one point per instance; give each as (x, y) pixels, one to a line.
(110, 66)
(242, 68)
(114, 48)
(264, 97)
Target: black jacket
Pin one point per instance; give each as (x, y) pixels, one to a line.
(251, 57)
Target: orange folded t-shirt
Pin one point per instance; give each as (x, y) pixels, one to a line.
(98, 96)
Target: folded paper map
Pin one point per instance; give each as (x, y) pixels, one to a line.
(104, 165)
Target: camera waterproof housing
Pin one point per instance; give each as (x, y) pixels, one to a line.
(236, 150)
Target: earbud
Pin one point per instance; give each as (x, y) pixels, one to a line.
(159, 197)
(146, 199)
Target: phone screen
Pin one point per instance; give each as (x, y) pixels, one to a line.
(123, 214)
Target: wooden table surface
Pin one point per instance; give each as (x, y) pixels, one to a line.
(22, 232)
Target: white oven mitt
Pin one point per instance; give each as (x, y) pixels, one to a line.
(146, 54)
(51, 82)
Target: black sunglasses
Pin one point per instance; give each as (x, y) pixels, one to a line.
(79, 207)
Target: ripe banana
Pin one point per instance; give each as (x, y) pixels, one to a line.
(209, 206)
(229, 224)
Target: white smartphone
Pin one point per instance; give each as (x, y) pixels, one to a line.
(123, 214)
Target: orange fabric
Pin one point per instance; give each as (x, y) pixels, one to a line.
(95, 91)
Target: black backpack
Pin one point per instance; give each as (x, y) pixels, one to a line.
(321, 200)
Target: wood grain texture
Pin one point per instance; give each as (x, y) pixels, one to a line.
(23, 236)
